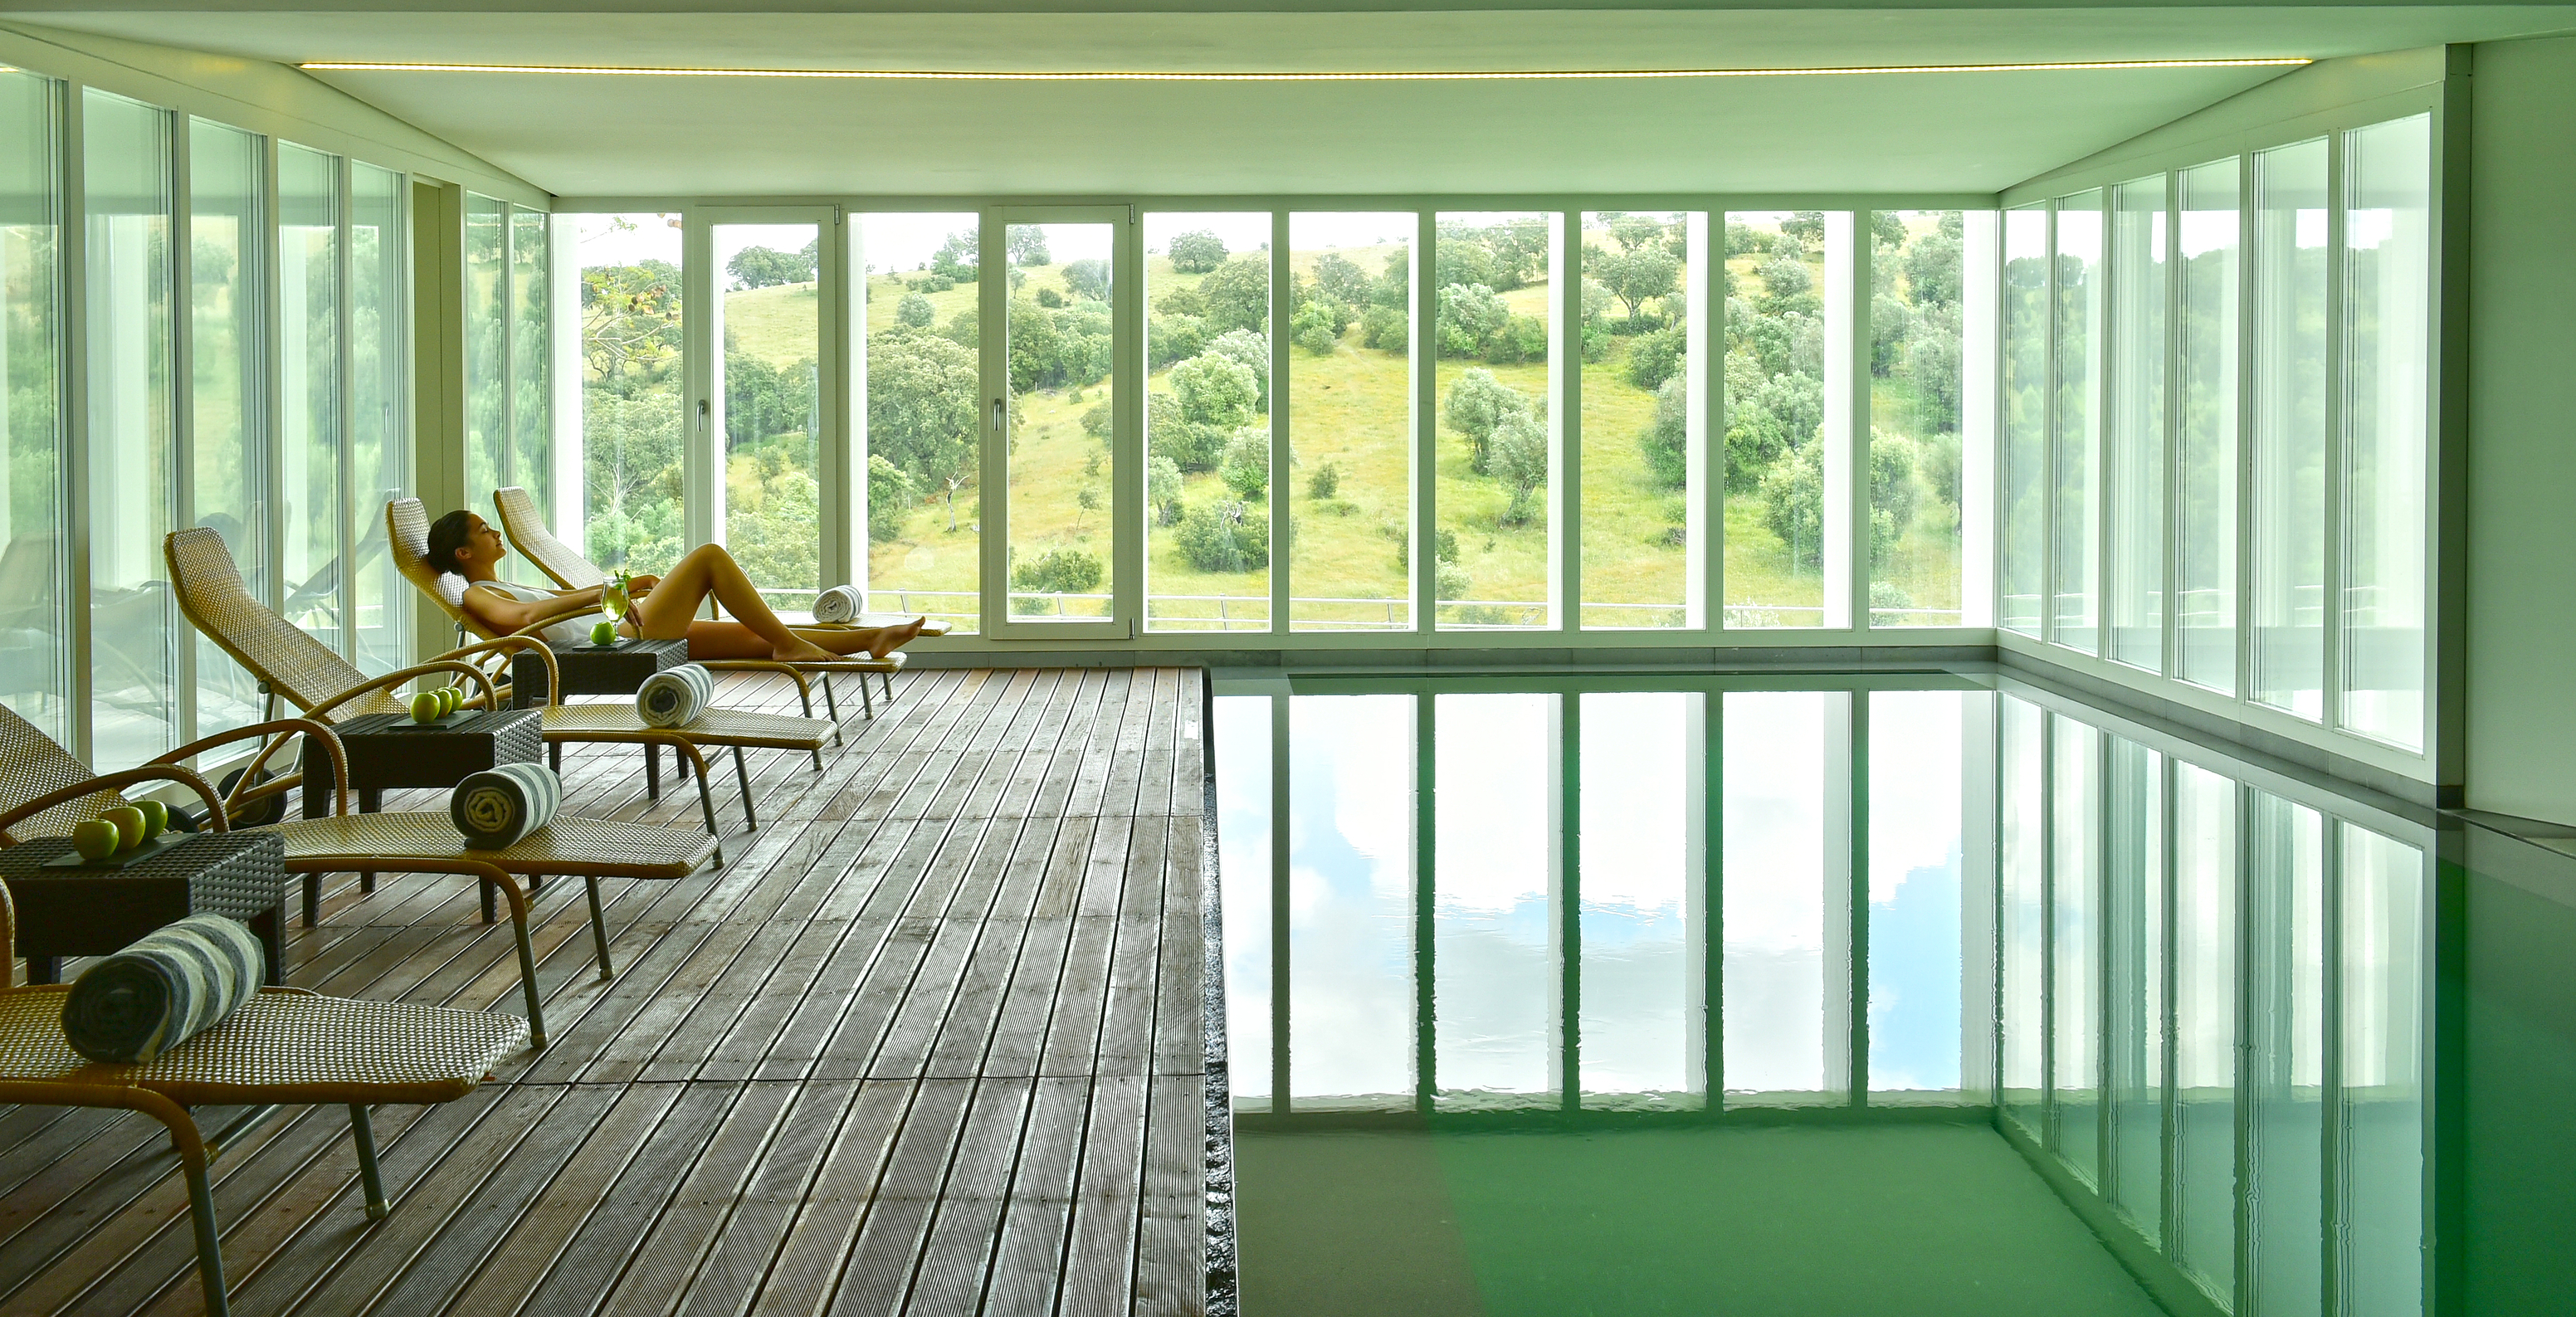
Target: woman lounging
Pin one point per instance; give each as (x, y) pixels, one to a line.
(466, 551)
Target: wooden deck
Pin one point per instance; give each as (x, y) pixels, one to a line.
(931, 1042)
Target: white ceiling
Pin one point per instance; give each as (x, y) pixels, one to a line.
(738, 137)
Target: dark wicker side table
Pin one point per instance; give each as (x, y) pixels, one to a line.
(388, 750)
(620, 669)
(91, 912)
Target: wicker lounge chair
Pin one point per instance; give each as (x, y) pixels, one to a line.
(307, 674)
(527, 531)
(285, 1046)
(44, 791)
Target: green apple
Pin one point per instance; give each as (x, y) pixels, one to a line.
(156, 818)
(454, 695)
(604, 632)
(95, 839)
(129, 826)
(426, 706)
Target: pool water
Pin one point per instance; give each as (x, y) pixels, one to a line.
(1919, 994)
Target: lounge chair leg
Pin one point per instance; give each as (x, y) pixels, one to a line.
(652, 772)
(210, 1249)
(832, 703)
(536, 883)
(867, 702)
(707, 806)
(888, 679)
(487, 903)
(312, 900)
(598, 929)
(527, 964)
(554, 756)
(742, 776)
(363, 1132)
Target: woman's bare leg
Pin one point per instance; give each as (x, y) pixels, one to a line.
(667, 613)
(733, 640)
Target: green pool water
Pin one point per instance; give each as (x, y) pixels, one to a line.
(1901, 994)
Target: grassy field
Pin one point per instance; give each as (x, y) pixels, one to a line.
(1351, 409)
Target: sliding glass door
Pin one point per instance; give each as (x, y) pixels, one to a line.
(768, 405)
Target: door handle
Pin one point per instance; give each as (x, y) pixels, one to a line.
(997, 416)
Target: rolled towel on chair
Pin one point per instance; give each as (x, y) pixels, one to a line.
(838, 604)
(676, 697)
(497, 807)
(167, 987)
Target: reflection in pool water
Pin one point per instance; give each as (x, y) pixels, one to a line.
(1511, 966)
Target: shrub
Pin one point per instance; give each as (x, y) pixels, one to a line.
(1656, 357)
(1058, 571)
(1171, 338)
(1163, 489)
(1223, 537)
(1665, 442)
(1246, 467)
(891, 494)
(1793, 506)
(1238, 295)
(1385, 329)
(1098, 421)
(1087, 279)
(1249, 350)
(1325, 482)
(915, 310)
(1476, 404)
(1050, 299)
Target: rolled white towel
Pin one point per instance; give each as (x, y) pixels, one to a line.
(838, 604)
(674, 698)
(500, 805)
(165, 988)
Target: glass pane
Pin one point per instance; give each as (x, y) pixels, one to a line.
(1496, 894)
(1207, 418)
(2022, 520)
(2075, 950)
(2136, 465)
(379, 389)
(134, 631)
(1779, 1001)
(227, 295)
(2204, 514)
(2290, 427)
(1642, 875)
(1917, 341)
(487, 365)
(771, 325)
(2075, 519)
(2382, 1084)
(2134, 912)
(1240, 732)
(1640, 426)
(1495, 442)
(2201, 1237)
(308, 353)
(532, 447)
(1350, 412)
(1916, 814)
(1350, 934)
(1777, 326)
(1060, 369)
(2386, 314)
(2285, 940)
(2022, 792)
(633, 418)
(922, 436)
(36, 682)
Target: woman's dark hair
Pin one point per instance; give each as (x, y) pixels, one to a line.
(446, 536)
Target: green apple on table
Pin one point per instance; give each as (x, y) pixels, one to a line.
(129, 826)
(95, 839)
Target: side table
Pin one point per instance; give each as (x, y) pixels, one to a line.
(619, 669)
(388, 750)
(92, 912)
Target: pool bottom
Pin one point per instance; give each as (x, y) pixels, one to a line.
(1912, 1219)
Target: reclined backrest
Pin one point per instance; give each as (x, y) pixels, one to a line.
(528, 534)
(407, 531)
(31, 765)
(302, 670)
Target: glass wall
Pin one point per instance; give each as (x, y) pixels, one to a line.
(2289, 435)
(2202, 1232)
(2022, 519)
(2021, 790)
(1208, 500)
(1060, 335)
(1495, 451)
(1497, 899)
(1350, 799)
(226, 303)
(2075, 339)
(1642, 420)
(1917, 388)
(921, 432)
(1642, 875)
(1918, 743)
(509, 434)
(531, 349)
(379, 392)
(1785, 1029)
(2075, 945)
(1351, 413)
(308, 431)
(2135, 429)
(36, 683)
(1781, 321)
(2205, 458)
(134, 628)
(633, 421)
(2388, 179)
(769, 319)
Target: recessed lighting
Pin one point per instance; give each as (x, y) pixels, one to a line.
(976, 75)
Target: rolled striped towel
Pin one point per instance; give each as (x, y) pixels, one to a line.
(838, 604)
(167, 987)
(675, 697)
(498, 806)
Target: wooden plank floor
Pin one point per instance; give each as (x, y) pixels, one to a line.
(930, 1042)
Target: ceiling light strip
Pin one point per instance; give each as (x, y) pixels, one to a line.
(971, 75)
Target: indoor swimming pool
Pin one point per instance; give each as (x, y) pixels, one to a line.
(1900, 994)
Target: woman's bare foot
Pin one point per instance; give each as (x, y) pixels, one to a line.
(803, 651)
(890, 639)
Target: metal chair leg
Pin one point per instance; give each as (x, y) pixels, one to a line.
(653, 771)
(742, 776)
(210, 1248)
(598, 929)
(527, 959)
(363, 1132)
(707, 804)
(312, 900)
(867, 702)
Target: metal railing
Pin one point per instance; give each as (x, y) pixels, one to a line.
(1251, 612)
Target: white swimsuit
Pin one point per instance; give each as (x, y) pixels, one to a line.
(572, 631)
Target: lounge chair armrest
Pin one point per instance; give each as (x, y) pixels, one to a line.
(490, 694)
(804, 686)
(110, 781)
(282, 729)
(513, 644)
